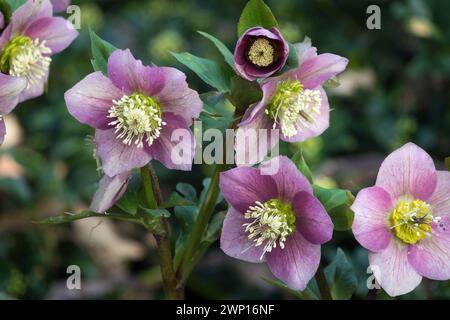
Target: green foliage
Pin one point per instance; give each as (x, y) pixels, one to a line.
(227, 55)
(244, 93)
(207, 70)
(101, 50)
(256, 13)
(302, 166)
(341, 277)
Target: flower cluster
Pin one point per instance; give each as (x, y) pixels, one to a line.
(27, 44)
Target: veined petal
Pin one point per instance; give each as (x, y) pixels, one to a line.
(57, 32)
(440, 199)
(243, 186)
(109, 191)
(234, 240)
(297, 263)
(431, 256)
(28, 13)
(408, 170)
(175, 150)
(370, 226)
(34, 91)
(10, 90)
(117, 157)
(393, 271)
(312, 220)
(91, 98)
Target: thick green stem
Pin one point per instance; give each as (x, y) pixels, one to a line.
(205, 212)
(161, 233)
(323, 284)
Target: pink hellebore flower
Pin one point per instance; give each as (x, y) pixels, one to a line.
(135, 111)
(275, 219)
(26, 45)
(404, 221)
(260, 53)
(60, 5)
(295, 102)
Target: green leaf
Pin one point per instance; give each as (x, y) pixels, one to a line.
(337, 203)
(15, 4)
(205, 184)
(206, 69)
(256, 13)
(341, 277)
(292, 60)
(101, 50)
(228, 56)
(175, 200)
(156, 213)
(5, 9)
(244, 93)
(307, 294)
(447, 163)
(69, 217)
(302, 166)
(214, 227)
(187, 191)
(129, 202)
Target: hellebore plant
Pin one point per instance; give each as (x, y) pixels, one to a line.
(278, 216)
(275, 218)
(404, 221)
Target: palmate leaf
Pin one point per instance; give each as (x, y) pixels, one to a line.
(256, 13)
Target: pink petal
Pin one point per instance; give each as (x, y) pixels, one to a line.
(28, 13)
(91, 98)
(289, 180)
(370, 226)
(317, 69)
(117, 157)
(36, 90)
(312, 220)
(130, 75)
(57, 32)
(321, 123)
(393, 271)
(254, 141)
(10, 90)
(60, 5)
(431, 257)
(234, 240)
(169, 142)
(176, 96)
(297, 263)
(109, 191)
(440, 199)
(269, 89)
(243, 186)
(408, 170)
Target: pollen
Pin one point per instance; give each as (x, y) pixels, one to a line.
(137, 118)
(261, 53)
(411, 220)
(294, 108)
(27, 58)
(272, 222)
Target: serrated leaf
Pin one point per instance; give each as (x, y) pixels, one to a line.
(302, 166)
(226, 53)
(341, 277)
(256, 13)
(206, 69)
(187, 191)
(101, 50)
(175, 200)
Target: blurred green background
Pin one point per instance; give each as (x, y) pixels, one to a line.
(395, 90)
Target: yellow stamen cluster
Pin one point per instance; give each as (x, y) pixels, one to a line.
(261, 53)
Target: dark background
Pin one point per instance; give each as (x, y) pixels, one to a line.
(395, 90)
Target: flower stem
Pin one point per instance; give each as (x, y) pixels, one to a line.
(205, 212)
(323, 284)
(160, 231)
